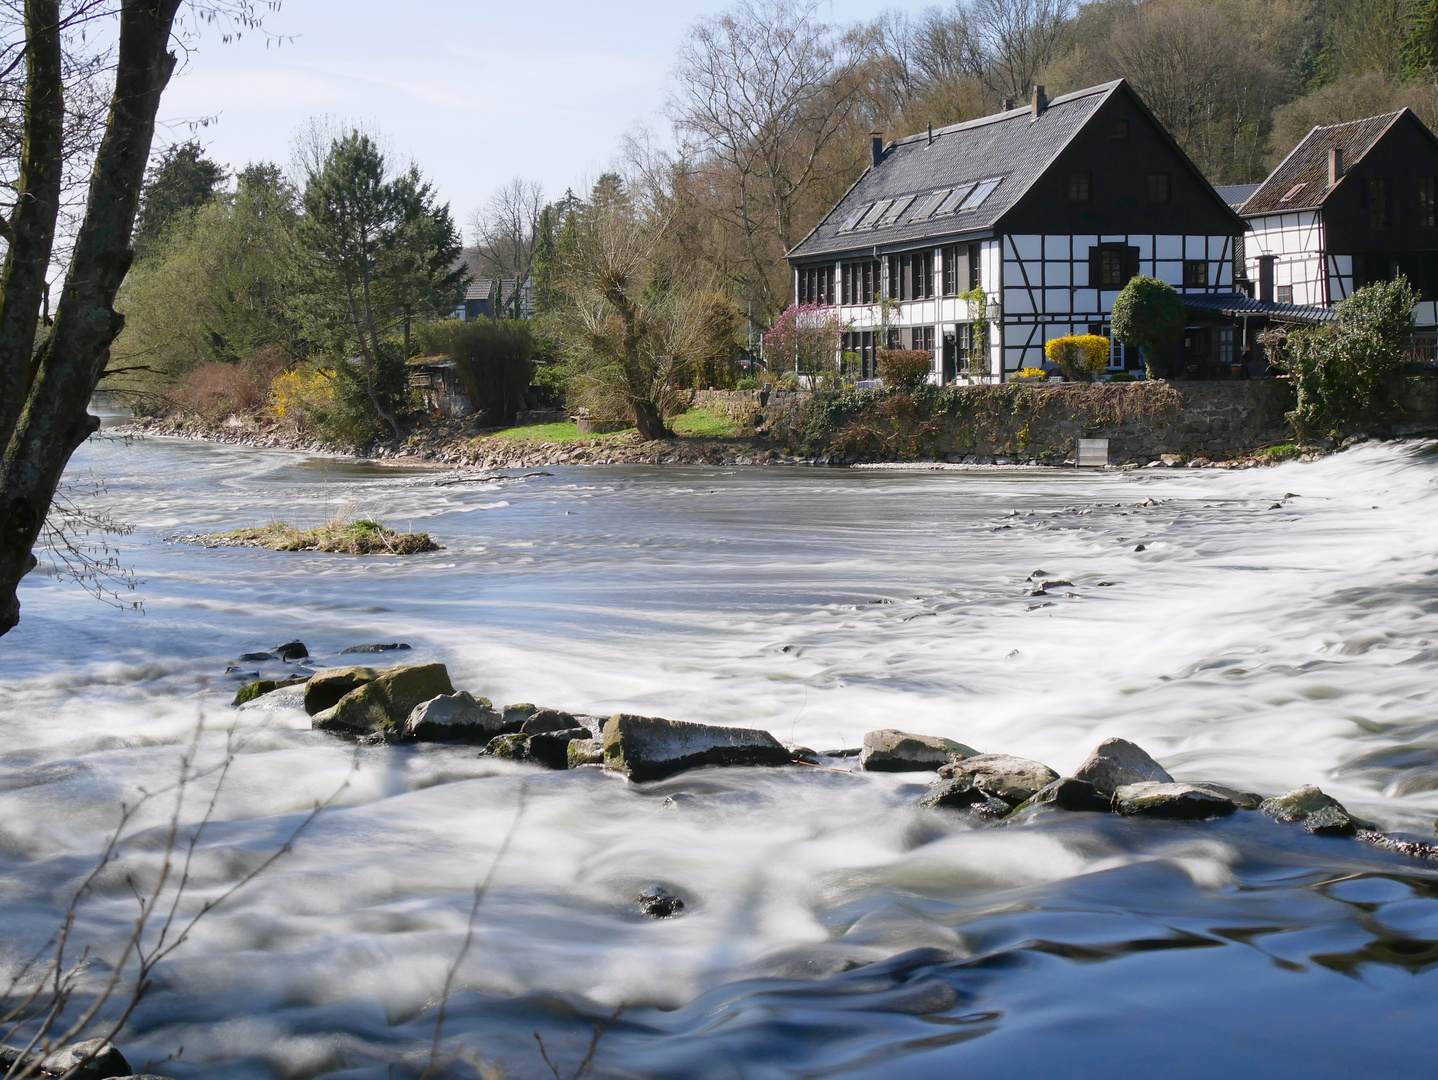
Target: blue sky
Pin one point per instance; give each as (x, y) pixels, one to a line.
(475, 92)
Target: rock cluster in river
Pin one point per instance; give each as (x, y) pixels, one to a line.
(92, 1059)
(417, 703)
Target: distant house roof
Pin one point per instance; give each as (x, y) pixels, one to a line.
(1236, 305)
(481, 288)
(437, 360)
(1236, 194)
(1301, 181)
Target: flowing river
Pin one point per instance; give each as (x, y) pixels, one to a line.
(1279, 627)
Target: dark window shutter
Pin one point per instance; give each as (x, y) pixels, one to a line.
(1095, 268)
(1130, 263)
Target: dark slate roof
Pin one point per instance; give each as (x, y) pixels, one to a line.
(480, 289)
(1301, 180)
(1236, 194)
(1234, 305)
(1011, 147)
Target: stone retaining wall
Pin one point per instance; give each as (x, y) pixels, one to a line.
(1042, 423)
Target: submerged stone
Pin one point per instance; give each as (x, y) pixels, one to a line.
(1011, 780)
(393, 646)
(1320, 814)
(326, 687)
(460, 717)
(889, 750)
(1189, 802)
(292, 650)
(660, 903)
(959, 793)
(1116, 762)
(651, 748)
(382, 706)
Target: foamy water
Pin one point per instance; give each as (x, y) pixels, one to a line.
(1280, 627)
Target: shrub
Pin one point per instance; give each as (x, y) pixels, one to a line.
(350, 418)
(495, 357)
(300, 394)
(217, 390)
(805, 338)
(1123, 376)
(905, 367)
(1339, 370)
(1083, 357)
(1031, 373)
(1149, 313)
(746, 382)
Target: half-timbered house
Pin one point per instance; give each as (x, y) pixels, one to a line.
(983, 240)
(1352, 204)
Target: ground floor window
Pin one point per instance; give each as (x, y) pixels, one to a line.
(858, 359)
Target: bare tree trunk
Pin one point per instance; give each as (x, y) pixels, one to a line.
(55, 420)
(649, 422)
(31, 230)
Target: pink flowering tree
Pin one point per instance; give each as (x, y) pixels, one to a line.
(804, 339)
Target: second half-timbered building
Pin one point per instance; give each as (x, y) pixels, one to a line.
(983, 240)
(1353, 203)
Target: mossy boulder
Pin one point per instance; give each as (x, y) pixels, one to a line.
(260, 687)
(585, 752)
(325, 688)
(383, 705)
(1320, 814)
(651, 748)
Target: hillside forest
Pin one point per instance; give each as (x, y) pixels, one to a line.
(301, 289)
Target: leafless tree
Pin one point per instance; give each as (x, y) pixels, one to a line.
(1014, 40)
(504, 229)
(761, 93)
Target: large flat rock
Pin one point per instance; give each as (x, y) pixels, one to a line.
(1320, 814)
(890, 750)
(1116, 762)
(1184, 801)
(325, 688)
(651, 748)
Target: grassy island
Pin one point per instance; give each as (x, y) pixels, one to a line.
(348, 538)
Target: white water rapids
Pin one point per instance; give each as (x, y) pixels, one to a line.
(1279, 627)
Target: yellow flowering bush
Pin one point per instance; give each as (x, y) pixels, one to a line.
(299, 394)
(1031, 373)
(1083, 357)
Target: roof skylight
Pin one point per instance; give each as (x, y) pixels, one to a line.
(949, 205)
(857, 216)
(929, 205)
(897, 207)
(979, 194)
(1292, 192)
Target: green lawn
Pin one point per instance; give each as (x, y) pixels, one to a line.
(703, 424)
(695, 424)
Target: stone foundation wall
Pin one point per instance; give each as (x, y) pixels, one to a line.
(1042, 423)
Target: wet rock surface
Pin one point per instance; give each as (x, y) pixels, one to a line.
(1320, 814)
(260, 687)
(1190, 802)
(459, 717)
(1011, 780)
(325, 688)
(890, 750)
(1116, 762)
(1069, 793)
(659, 903)
(651, 748)
(394, 646)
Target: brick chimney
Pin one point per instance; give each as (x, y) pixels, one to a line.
(876, 147)
(1335, 165)
(1040, 102)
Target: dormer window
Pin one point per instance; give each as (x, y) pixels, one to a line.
(857, 216)
(1292, 193)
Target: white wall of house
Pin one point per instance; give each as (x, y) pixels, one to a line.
(1047, 292)
(1296, 242)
